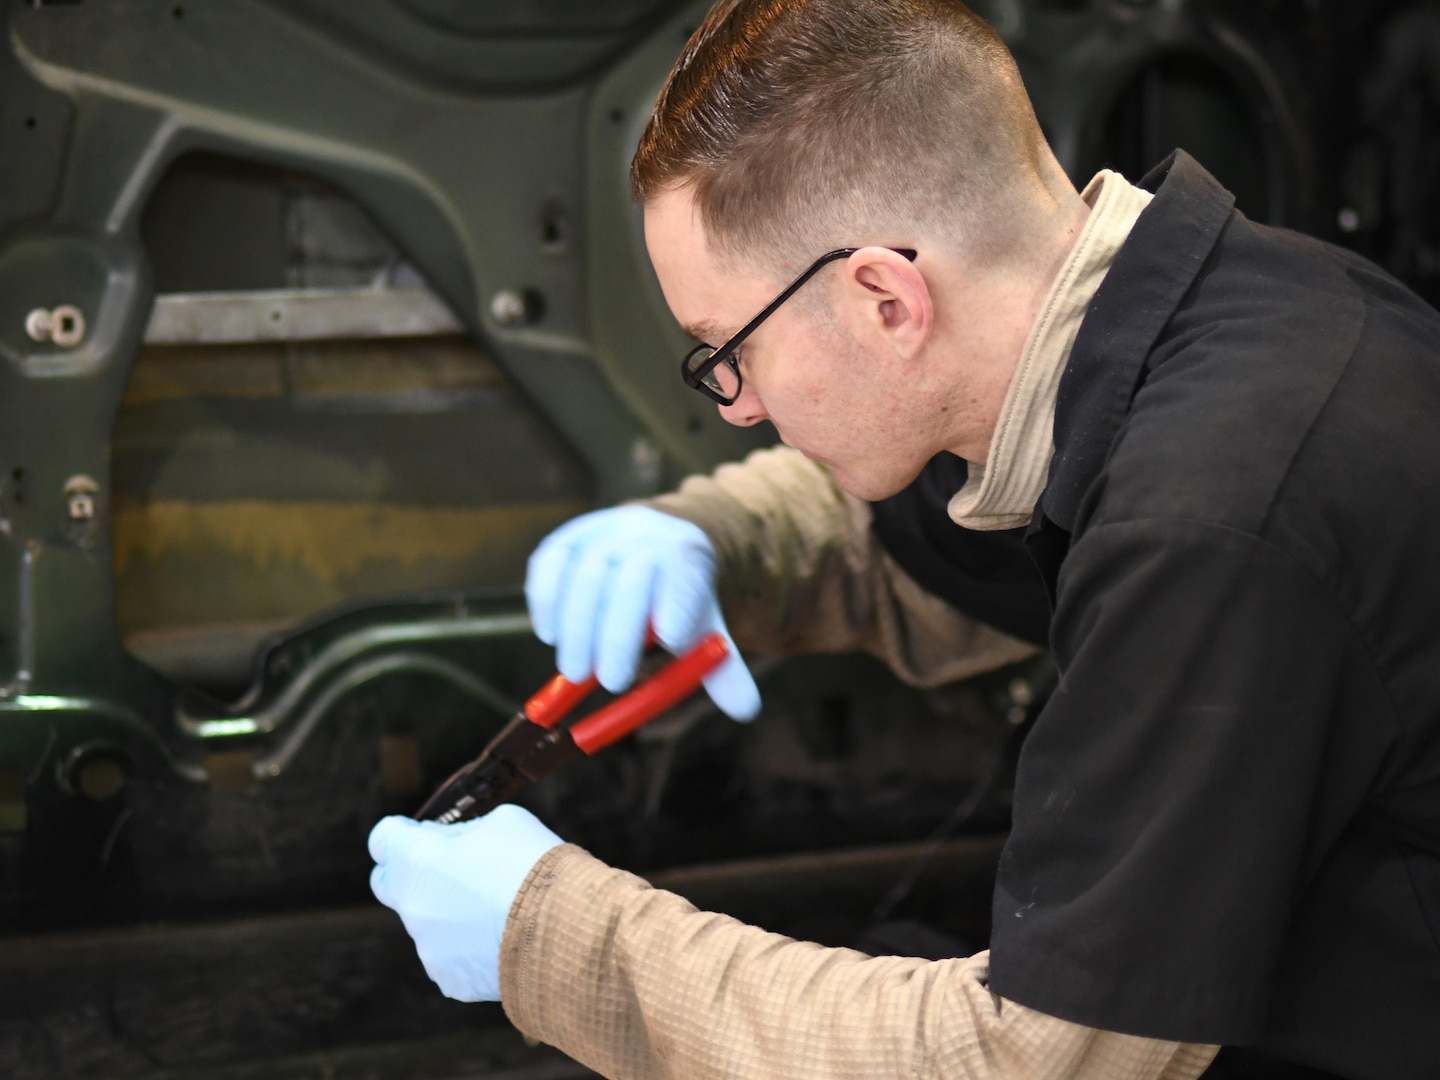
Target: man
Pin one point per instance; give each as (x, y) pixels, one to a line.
(1203, 460)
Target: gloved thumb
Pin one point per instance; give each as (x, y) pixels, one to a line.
(730, 685)
(389, 835)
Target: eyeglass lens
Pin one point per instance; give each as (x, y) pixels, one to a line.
(722, 378)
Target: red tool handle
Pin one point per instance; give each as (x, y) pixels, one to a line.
(553, 701)
(648, 700)
(556, 698)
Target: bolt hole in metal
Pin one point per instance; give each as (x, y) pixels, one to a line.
(68, 326)
(517, 307)
(97, 771)
(554, 231)
(101, 779)
(80, 492)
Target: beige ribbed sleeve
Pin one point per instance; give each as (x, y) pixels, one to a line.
(634, 982)
(800, 570)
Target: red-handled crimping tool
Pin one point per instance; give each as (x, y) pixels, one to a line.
(532, 744)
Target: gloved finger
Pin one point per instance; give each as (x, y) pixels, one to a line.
(684, 594)
(549, 566)
(380, 885)
(731, 686)
(585, 590)
(544, 574)
(621, 637)
(389, 835)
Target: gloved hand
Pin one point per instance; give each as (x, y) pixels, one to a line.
(453, 885)
(595, 583)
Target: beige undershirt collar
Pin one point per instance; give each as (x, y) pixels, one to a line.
(1003, 493)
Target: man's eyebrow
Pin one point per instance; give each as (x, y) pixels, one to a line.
(701, 331)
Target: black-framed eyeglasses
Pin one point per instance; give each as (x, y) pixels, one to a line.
(716, 372)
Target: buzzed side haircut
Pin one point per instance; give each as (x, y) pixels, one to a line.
(804, 125)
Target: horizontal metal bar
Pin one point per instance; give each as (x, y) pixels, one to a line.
(219, 318)
(342, 652)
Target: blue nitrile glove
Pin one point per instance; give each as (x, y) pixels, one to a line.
(595, 583)
(453, 885)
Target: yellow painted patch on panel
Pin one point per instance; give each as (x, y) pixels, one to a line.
(330, 540)
(378, 368)
(383, 368)
(175, 372)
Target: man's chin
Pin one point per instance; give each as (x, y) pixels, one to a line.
(866, 485)
(867, 488)
(870, 486)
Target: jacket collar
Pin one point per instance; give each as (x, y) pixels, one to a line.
(1146, 283)
(1003, 493)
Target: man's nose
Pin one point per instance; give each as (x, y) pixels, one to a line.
(746, 410)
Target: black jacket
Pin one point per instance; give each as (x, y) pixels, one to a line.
(1227, 819)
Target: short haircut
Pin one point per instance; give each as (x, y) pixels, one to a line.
(804, 125)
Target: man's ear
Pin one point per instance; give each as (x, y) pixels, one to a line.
(890, 296)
